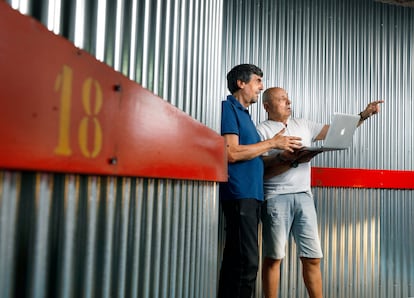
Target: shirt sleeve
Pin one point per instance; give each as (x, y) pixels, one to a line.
(315, 128)
(229, 123)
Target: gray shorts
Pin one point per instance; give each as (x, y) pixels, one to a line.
(283, 213)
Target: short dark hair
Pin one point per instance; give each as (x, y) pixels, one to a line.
(242, 72)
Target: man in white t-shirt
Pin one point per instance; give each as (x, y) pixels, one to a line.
(289, 205)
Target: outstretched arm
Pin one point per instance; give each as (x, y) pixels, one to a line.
(371, 109)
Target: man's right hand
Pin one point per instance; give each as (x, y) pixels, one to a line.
(288, 143)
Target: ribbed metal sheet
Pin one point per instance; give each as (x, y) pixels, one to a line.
(334, 56)
(368, 243)
(80, 236)
(163, 45)
(337, 56)
(350, 230)
(87, 236)
(331, 56)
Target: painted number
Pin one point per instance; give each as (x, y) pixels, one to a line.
(63, 85)
(91, 113)
(89, 127)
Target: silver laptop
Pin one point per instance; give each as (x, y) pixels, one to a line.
(340, 133)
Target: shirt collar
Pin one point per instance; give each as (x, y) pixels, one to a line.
(235, 102)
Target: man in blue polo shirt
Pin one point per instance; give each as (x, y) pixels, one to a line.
(242, 195)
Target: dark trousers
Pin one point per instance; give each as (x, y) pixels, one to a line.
(241, 253)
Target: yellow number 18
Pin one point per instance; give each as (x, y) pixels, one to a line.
(63, 85)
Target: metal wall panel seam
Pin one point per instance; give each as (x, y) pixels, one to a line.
(10, 186)
(123, 238)
(174, 61)
(93, 201)
(110, 202)
(137, 270)
(39, 273)
(156, 239)
(21, 5)
(71, 205)
(132, 69)
(156, 74)
(146, 43)
(187, 253)
(79, 24)
(211, 282)
(194, 236)
(100, 36)
(197, 90)
(201, 256)
(118, 40)
(166, 240)
(148, 217)
(53, 16)
(188, 66)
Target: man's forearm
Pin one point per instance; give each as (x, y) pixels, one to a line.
(275, 165)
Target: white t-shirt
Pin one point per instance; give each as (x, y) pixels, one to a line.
(297, 179)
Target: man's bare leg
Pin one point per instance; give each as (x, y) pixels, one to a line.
(311, 270)
(271, 276)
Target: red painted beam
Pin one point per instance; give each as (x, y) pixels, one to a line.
(362, 178)
(61, 110)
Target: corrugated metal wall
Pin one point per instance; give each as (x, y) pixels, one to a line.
(163, 45)
(367, 239)
(83, 236)
(330, 55)
(336, 56)
(79, 236)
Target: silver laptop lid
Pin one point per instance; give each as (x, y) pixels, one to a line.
(341, 131)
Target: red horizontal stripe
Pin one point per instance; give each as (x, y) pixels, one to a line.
(362, 178)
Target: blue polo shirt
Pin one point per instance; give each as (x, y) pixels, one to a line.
(245, 178)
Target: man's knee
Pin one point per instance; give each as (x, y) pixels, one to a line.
(312, 262)
(270, 262)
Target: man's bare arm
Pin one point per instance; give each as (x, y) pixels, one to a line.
(237, 152)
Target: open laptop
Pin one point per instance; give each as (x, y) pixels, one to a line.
(340, 133)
